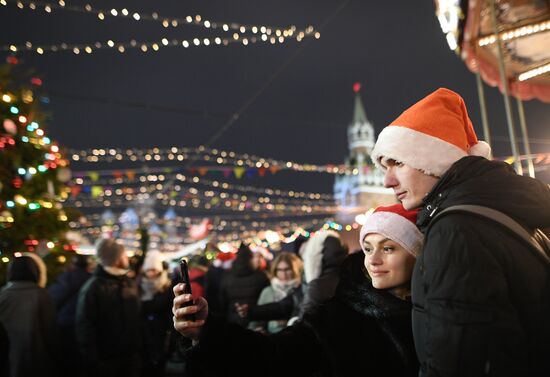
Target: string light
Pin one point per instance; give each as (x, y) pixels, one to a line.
(155, 17)
(123, 46)
(534, 72)
(218, 157)
(515, 33)
(115, 177)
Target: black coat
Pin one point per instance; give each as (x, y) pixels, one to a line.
(64, 292)
(481, 297)
(108, 319)
(242, 284)
(361, 330)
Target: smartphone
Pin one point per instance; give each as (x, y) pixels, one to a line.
(185, 276)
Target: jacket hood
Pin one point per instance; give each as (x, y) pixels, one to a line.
(478, 181)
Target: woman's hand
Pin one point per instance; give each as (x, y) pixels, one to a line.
(182, 323)
(242, 310)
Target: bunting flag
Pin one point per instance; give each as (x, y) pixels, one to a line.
(261, 172)
(117, 174)
(94, 176)
(203, 171)
(250, 172)
(226, 172)
(239, 172)
(274, 169)
(75, 190)
(96, 191)
(131, 174)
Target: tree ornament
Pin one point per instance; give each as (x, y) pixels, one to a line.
(64, 174)
(17, 182)
(10, 126)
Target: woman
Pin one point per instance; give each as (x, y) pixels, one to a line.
(242, 284)
(155, 292)
(28, 314)
(286, 270)
(365, 327)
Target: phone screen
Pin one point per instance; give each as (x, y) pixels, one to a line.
(187, 282)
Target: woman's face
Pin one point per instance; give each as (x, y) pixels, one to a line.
(388, 264)
(283, 271)
(151, 273)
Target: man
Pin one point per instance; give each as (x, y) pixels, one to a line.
(108, 316)
(481, 296)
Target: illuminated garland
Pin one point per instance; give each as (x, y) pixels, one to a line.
(228, 205)
(167, 22)
(216, 156)
(243, 34)
(159, 193)
(118, 177)
(88, 48)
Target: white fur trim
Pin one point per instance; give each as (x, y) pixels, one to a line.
(421, 151)
(42, 271)
(312, 253)
(480, 149)
(396, 228)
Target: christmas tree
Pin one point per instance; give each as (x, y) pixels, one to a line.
(33, 171)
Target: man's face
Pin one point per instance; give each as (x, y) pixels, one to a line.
(409, 185)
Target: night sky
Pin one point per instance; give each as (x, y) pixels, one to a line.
(300, 94)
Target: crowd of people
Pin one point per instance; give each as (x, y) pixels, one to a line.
(476, 302)
(435, 290)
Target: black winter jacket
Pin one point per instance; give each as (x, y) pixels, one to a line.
(360, 331)
(242, 284)
(481, 297)
(108, 318)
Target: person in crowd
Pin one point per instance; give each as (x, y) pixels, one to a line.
(28, 314)
(242, 284)
(368, 320)
(480, 293)
(213, 278)
(323, 255)
(286, 271)
(4, 352)
(108, 318)
(64, 292)
(198, 267)
(156, 300)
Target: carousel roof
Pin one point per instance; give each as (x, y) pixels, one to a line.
(524, 30)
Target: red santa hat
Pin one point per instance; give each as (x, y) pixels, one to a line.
(430, 135)
(395, 223)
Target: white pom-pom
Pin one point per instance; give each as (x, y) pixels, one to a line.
(481, 149)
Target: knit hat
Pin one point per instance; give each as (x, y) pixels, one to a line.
(395, 223)
(430, 135)
(153, 261)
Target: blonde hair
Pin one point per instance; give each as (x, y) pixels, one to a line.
(292, 260)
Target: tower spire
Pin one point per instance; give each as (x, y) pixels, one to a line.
(359, 114)
(360, 131)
